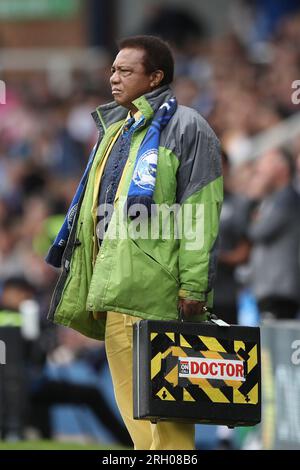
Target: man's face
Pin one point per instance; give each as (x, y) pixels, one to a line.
(129, 79)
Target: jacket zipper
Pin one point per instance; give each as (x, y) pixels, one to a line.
(58, 290)
(104, 221)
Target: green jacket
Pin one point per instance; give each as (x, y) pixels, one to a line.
(146, 276)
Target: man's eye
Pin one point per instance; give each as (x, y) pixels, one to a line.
(125, 72)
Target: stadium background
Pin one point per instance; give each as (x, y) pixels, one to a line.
(236, 62)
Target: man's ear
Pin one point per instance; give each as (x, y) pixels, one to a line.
(156, 78)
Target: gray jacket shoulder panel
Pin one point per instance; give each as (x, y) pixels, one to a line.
(192, 140)
(183, 126)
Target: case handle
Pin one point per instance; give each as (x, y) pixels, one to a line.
(206, 316)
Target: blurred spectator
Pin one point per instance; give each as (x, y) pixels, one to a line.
(14, 292)
(275, 234)
(234, 248)
(57, 386)
(13, 396)
(256, 21)
(189, 93)
(269, 13)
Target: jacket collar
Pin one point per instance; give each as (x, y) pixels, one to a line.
(109, 113)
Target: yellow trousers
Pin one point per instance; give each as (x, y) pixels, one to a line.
(145, 435)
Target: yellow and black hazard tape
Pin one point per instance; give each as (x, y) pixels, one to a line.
(166, 348)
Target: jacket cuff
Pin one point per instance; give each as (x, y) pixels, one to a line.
(191, 295)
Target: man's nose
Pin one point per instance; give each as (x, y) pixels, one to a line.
(115, 78)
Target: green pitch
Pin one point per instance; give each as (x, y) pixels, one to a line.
(54, 445)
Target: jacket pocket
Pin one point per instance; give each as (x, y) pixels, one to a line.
(155, 261)
(134, 283)
(144, 286)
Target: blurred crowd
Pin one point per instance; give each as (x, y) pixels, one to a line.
(242, 88)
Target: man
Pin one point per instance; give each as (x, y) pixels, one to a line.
(275, 234)
(149, 152)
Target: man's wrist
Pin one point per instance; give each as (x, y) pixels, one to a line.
(186, 294)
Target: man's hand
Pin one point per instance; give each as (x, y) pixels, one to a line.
(191, 308)
(99, 315)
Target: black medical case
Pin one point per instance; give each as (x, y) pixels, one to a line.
(196, 372)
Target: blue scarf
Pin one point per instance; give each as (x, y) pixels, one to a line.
(143, 180)
(142, 184)
(54, 256)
